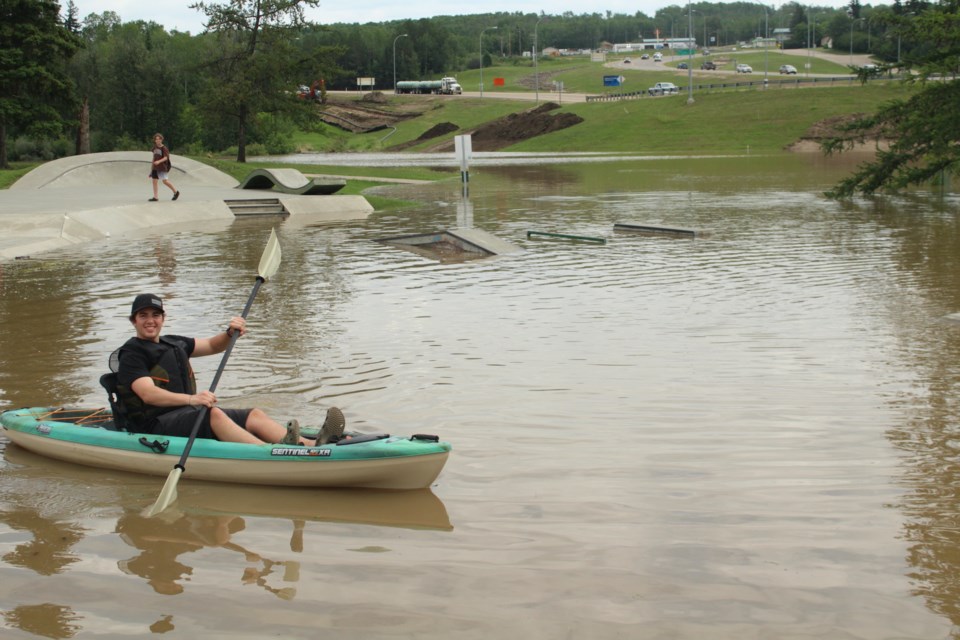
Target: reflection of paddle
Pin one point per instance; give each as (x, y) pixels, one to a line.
(269, 263)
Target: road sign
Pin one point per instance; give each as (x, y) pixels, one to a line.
(613, 81)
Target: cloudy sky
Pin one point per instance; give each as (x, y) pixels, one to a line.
(176, 14)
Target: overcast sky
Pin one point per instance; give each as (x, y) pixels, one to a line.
(177, 14)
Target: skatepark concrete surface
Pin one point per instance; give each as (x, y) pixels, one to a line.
(102, 196)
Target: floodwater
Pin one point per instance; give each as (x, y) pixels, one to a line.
(748, 435)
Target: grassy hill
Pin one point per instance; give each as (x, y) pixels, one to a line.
(746, 118)
(729, 121)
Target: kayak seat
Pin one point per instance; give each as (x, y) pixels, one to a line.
(109, 382)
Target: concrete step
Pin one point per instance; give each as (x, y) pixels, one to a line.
(257, 207)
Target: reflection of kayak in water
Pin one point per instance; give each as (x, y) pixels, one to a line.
(88, 437)
(410, 509)
(416, 509)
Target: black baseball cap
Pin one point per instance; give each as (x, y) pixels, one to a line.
(145, 301)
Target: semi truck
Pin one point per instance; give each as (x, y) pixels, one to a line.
(444, 86)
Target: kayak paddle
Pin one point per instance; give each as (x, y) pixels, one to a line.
(269, 263)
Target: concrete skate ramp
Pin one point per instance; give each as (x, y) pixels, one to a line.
(101, 197)
(291, 181)
(118, 168)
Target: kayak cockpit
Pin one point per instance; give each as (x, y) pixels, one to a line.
(101, 418)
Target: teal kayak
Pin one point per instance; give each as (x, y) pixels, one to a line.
(87, 436)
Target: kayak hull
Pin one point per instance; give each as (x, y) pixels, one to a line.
(384, 463)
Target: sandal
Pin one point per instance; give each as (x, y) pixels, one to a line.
(293, 433)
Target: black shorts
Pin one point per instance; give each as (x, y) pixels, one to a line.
(180, 421)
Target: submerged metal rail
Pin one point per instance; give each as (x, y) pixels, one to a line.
(565, 236)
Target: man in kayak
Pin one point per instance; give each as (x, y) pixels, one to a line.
(157, 387)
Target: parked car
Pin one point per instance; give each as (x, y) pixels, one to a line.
(645, 57)
(657, 57)
(709, 66)
(744, 68)
(682, 65)
(626, 61)
(788, 69)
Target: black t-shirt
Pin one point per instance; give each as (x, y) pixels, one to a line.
(166, 362)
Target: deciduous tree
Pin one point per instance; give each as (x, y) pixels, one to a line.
(256, 67)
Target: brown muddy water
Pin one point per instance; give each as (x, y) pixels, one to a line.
(750, 435)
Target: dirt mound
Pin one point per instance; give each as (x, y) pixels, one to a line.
(371, 112)
(375, 97)
(517, 127)
(375, 111)
(438, 130)
(435, 131)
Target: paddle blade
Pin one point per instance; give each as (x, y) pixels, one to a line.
(270, 260)
(167, 496)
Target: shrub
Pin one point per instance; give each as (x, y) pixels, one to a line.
(24, 148)
(128, 143)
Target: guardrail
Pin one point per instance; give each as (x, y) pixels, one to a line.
(734, 86)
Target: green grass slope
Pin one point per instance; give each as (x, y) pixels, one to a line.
(727, 122)
(717, 122)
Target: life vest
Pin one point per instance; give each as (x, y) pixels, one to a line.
(171, 370)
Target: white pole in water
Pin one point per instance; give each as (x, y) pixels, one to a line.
(463, 146)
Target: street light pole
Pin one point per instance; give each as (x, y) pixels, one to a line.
(402, 35)
(766, 28)
(481, 57)
(899, 31)
(690, 47)
(536, 68)
(853, 21)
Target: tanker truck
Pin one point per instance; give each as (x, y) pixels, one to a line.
(444, 86)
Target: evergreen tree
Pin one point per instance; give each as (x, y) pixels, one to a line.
(70, 22)
(923, 129)
(34, 87)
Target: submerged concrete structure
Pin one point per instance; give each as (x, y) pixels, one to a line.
(453, 245)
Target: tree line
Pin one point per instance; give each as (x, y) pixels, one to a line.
(72, 85)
